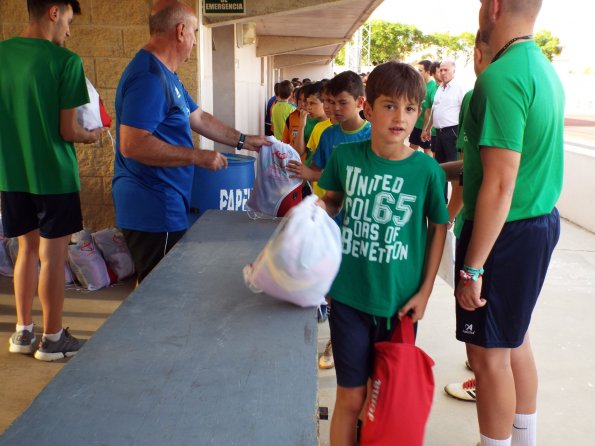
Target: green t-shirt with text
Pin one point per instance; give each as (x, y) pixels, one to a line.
(518, 104)
(384, 231)
(37, 80)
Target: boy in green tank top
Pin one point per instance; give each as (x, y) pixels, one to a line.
(392, 234)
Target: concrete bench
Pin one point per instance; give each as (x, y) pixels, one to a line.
(192, 357)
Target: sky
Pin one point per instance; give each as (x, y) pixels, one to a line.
(563, 18)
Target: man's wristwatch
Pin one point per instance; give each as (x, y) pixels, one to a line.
(240, 145)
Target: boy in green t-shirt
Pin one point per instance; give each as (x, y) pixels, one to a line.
(392, 234)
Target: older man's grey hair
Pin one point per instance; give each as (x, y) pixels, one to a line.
(166, 18)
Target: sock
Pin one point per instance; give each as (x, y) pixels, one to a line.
(524, 430)
(53, 337)
(486, 441)
(25, 327)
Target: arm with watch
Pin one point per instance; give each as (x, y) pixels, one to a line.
(212, 128)
(500, 168)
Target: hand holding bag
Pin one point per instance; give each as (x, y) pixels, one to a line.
(402, 391)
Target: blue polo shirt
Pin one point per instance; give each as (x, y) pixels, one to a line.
(148, 198)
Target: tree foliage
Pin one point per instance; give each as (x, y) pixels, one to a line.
(393, 41)
(549, 44)
(398, 41)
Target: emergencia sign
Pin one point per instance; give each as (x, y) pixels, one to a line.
(224, 7)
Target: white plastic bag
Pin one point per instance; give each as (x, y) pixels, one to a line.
(301, 259)
(86, 262)
(6, 265)
(89, 115)
(273, 184)
(446, 270)
(112, 246)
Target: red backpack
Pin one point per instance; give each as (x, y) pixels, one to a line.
(401, 393)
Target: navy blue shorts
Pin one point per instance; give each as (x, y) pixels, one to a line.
(54, 215)
(353, 334)
(514, 274)
(415, 138)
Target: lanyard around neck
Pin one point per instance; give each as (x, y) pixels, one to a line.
(510, 42)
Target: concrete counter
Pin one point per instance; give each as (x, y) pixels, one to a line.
(192, 357)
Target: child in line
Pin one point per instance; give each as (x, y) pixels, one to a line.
(282, 109)
(299, 123)
(393, 234)
(347, 93)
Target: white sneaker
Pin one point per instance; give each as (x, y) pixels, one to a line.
(462, 391)
(326, 360)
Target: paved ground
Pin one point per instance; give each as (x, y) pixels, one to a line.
(562, 332)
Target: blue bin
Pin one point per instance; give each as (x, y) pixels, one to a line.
(226, 189)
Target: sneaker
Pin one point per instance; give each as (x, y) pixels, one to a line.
(326, 360)
(322, 313)
(22, 342)
(65, 347)
(462, 391)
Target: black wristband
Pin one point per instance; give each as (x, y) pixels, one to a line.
(240, 145)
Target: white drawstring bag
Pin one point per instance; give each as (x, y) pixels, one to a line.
(86, 262)
(301, 259)
(446, 270)
(275, 190)
(112, 246)
(89, 115)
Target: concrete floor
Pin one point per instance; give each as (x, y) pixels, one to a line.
(562, 333)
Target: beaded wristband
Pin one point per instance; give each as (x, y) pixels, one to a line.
(469, 273)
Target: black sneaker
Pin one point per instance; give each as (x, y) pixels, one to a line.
(22, 341)
(65, 347)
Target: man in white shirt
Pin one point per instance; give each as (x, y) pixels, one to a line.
(445, 114)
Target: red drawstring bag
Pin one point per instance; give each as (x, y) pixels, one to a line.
(401, 393)
(106, 120)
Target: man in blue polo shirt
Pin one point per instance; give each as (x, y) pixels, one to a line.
(155, 157)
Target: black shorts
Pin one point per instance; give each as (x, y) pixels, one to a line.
(446, 144)
(353, 334)
(54, 215)
(415, 138)
(148, 248)
(513, 278)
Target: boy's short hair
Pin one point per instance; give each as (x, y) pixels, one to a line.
(37, 8)
(314, 89)
(427, 64)
(276, 88)
(285, 89)
(395, 79)
(347, 81)
(434, 67)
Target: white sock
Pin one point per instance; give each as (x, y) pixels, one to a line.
(25, 327)
(486, 441)
(53, 337)
(524, 430)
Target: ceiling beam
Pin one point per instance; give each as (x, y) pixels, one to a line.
(289, 60)
(273, 45)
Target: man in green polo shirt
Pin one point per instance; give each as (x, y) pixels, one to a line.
(41, 85)
(513, 165)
